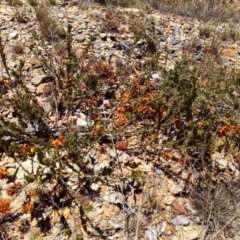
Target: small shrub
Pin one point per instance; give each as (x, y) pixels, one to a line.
(52, 2)
(33, 3)
(18, 48)
(48, 25)
(206, 31)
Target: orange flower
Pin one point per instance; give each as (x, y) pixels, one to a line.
(58, 142)
(206, 83)
(181, 161)
(145, 109)
(3, 173)
(125, 97)
(164, 113)
(27, 207)
(124, 109)
(4, 81)
(150, 139)
(165, 154)
(121, 119)
(226, 128)
(122, 146)
(147, 97)
(104, 68)
(96, 117)
(98, 129)
(4, 206)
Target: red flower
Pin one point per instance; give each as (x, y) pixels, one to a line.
(107, 16)
(122, 146)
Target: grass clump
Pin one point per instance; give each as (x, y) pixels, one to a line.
(48, 25)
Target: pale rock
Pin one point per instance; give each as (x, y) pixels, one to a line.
(82, 116)
(81, 122)
(94, 186)
(36, 80)
(26, 50)
(5, 10)
(114, 197)
(28, 167)
(35, 61)
(17, 202)
(91, 214)
(155, 76)
(168, 200)
(43, 88)
(174, 188)
(185, 175)
(153, 232)
(189, 232)
(180, 220)
(30, 87)
(122, 156)
(231, 51)
(73, 9)
(80, 38)
(79, 53)
(13, 35)
(103, 36)
(223, 163)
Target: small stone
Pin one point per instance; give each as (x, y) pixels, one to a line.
(175, 41)
(94, 186)
(223, 163)
(26, 50)
(13, 35)
(36, 80)
(73, 9)
(81, 123)
(103, 36)
(44, 88)
(189, 232)
(80, 38)
(180, 220)
(168, 200)
(155, 76)
(174, 188)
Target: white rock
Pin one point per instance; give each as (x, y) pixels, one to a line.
(27, 167)
(81, 123)
(155, 76)
(38, 79)
(168, 200)
(115, 197)
(94, 186)
(153, 232)
(223, 163)
(83, 116)
(174, 188)
(180, 220)
(13, 35)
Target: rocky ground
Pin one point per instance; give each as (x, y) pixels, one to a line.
(120, 208)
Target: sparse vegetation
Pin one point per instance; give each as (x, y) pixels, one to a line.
(191, 109)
